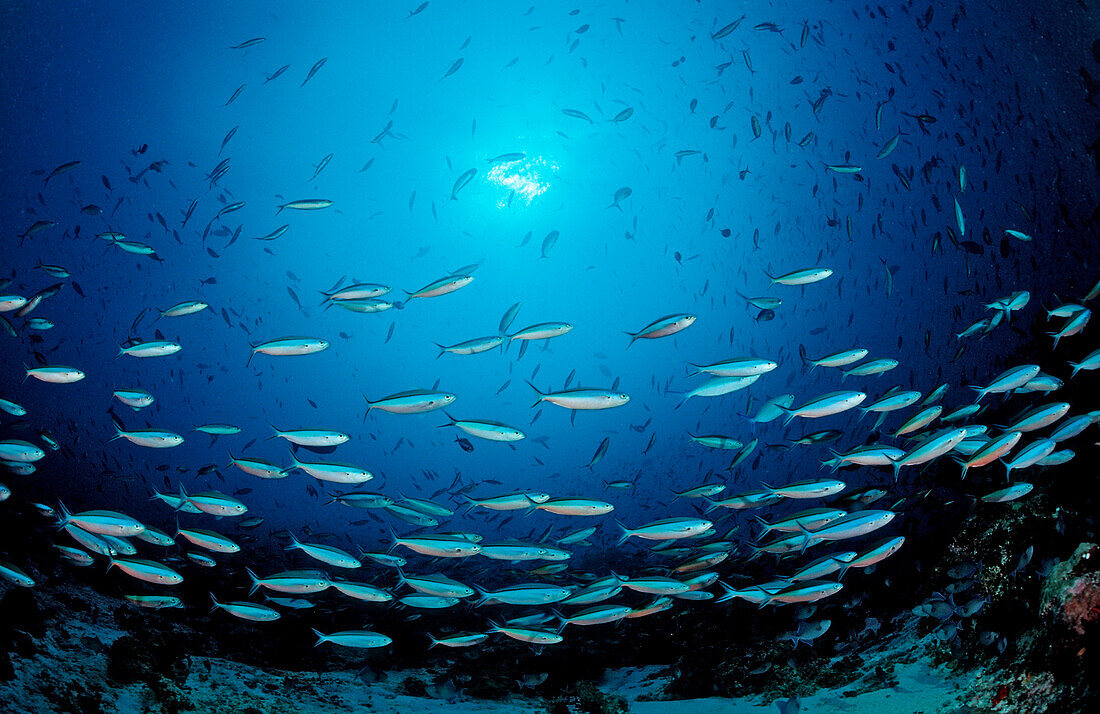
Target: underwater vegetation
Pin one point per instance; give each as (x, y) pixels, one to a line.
(476, 356)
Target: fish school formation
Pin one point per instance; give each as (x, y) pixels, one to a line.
(820, 529)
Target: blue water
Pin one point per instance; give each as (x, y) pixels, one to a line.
(96, 84)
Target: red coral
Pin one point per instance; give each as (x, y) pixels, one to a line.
(1081, 605)
(1002, 694)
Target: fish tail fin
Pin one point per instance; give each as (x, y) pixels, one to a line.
(633, 337)
(728, 592)
(216, 604)
(255, 580)
(294, 543)
(393, 544)
(321, 638)
(897, 470)
(541, 394)
(442, 350)
(64, 515)
(251, 355)
(625, 534)
(767, 526)
(118, 428)
(433, 639)
(484, 596)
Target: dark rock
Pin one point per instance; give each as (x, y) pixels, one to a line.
(148, 659)
(20, 609)
(6, 670)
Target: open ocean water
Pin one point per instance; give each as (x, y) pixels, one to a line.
(488, 356)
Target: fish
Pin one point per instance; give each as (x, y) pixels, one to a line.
(414, 401)
(288, 347)
(313, 70)
(62, 169)
(727, 29)
(455, 66)
(306, 204)
(582, 399)
(666, 529)
(577, 114)
(462, 181)
(276, 74)
(663, 327)
(825, 405)
(805, 276)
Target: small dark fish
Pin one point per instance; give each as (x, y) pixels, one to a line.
(461, 182)
(235, 95)
(228, 137)
(455, 66)
(313, 70)
(465, 444)
(600, 451)
(417, 11)
(577, 114)
(62, 169)
(321, 166)
(277, 73)
(248, 43)
(727, 29)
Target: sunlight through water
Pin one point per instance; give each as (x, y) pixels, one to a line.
(524, 179)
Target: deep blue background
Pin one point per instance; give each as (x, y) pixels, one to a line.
(91, 82)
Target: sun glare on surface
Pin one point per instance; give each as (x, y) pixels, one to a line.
(523, 179)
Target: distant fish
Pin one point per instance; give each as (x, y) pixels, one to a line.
(455, 66)
(63, 169)
(461, 182)
(306, 204)
(313, 70)
(248, 43)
